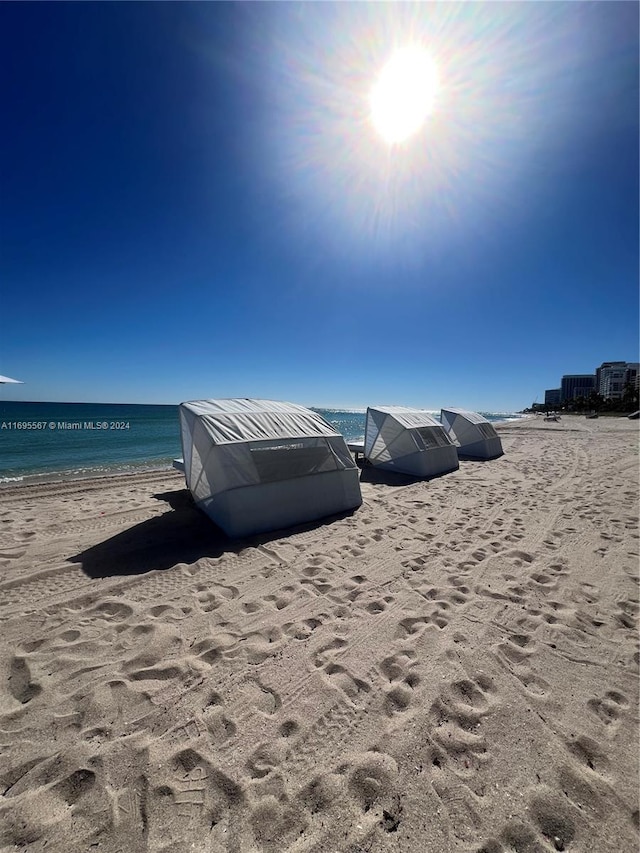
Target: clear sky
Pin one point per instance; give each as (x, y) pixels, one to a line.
(195, 202)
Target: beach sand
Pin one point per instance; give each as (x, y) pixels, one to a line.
(453, 667)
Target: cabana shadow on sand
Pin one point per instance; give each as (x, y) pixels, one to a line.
(182, 536)
(258, 465)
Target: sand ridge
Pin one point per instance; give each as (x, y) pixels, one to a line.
(453, 667)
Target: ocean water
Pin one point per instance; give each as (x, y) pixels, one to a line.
(50, 441)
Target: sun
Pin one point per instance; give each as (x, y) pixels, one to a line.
(404, 94)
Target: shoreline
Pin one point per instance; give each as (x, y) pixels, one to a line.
(81, 485)
(59, 477)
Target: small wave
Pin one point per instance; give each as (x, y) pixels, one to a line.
(338, 411)
(89, 472)
(504, 417)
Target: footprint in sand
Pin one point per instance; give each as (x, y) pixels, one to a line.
(461, 807)
(553, 819)
(260, 645)
(399, 670)
(321, 793)
(196, 798)
(12, 553)
(21, 687)
(411, 625)
(114, 611)
(455, 716)
(261, 697)
(212, 596)
(326, 652)
(264, 759)
(609, 707)
(355, 689)
(588, 753)
(371, 778)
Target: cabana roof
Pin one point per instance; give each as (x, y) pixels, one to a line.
(472, 417)
(407, 417)
(244, 419)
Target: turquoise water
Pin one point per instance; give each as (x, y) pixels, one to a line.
(92, 439)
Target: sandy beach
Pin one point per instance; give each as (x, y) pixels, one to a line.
(453, 667)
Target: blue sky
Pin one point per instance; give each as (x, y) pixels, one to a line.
(194, 202)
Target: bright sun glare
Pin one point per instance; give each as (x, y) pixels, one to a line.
(404, 94)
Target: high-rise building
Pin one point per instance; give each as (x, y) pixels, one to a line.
(632, 376)
(612, 376)
(611, 381)
(576, 385)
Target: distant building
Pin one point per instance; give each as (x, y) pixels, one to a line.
(613, 376)
(611, 381)
(576, 385)
(633, 375)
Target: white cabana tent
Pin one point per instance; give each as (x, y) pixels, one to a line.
(472, 433)
(258, 465)
(409, 441)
